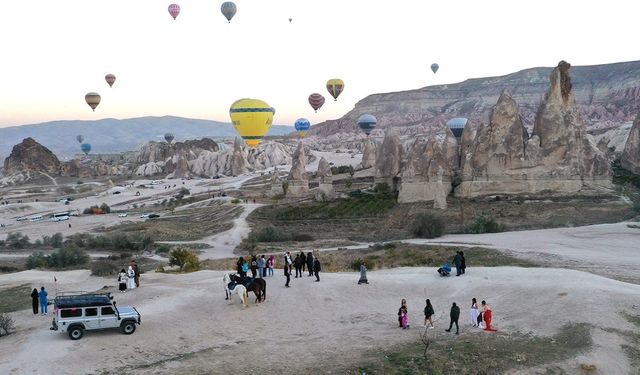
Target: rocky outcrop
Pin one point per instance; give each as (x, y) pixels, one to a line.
(558, 158)
(389, 160)
(30, 155)
(612, 141)
(608, 96)
(324, 170)
(297, 184)
(368, 155)
(630, 159)
(239, 163)
(150, 169)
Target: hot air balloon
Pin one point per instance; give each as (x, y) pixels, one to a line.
(93, 99)
(457, 125)
(367, 123)
(335, 87)
(110, 78)
(252, 119)
(86, 148)
(168, 137)
(79, 138)
(434, 67)
(229, 10)
(316, 100)
(302, 125)
(290, 19)
(174, 10)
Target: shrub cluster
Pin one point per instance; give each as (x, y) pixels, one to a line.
(6, 324)
(67, 256)
(273, 234)
(427, 225)
(485, 224)
(185, 259)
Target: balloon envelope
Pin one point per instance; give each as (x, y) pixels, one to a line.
(86, 148)
(229, 10)
(316, 100)
(174, 10)
(367, 123)
(93, 99)
(435, 67)
(168, 137)
(252, 119)
(457, 125)
(110, 78)
(80, 138)
(335, 87)
(302, 125)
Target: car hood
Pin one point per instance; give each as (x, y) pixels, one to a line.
(126, 311)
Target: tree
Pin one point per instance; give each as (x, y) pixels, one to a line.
(185, 259)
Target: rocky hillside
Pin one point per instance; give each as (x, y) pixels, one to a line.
(608, 96)
(29, 155)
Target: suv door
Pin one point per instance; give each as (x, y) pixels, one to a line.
(91, 319)
(108, 318)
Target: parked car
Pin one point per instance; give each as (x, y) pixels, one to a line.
(123, 214)
(116, 192)
(76, 313)
(153, 216)
(144, 216)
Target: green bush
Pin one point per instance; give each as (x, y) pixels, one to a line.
(269, 234)
(54, 241)
(427, 225)
(67, 256)
(343, 169)
(104, 267)
(37, 260)
(236, 201)
(163, 249)
(486, 224)
(636, 207)
(185, 259)
(370, 264)
(17, 241)
(105, 208)
(301, 237)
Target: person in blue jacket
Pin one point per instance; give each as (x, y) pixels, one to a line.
(42, 296)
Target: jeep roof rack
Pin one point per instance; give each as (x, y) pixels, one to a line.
(82, 299)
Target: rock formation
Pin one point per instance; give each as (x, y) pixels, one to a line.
(369, 154)
(297, 184)
(239, 163)
(428, 170)
(30, 155)
(389, 160)
(559, 157)
(325, 191)
(324, 170)
(630, 159)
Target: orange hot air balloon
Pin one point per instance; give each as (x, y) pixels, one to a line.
(110, 78)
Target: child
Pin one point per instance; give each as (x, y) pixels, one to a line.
(428, 313)
(122, 281)
(474, 312)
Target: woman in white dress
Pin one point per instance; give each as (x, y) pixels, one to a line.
(131, 281)
(474, 312)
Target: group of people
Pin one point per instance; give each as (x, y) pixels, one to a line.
(39, 298)
(129, 279)
(258, 266)
(459, 261)
(310, 261)
(480, 316)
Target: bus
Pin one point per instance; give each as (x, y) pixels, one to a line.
(60, 216)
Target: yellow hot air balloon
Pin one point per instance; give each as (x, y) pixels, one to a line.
(252, 119)
(335, 87)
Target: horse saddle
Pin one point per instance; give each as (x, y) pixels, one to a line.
(247, 282)
(232, 285)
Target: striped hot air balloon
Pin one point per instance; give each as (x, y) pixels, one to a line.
(457, 125)
(316, 100)
(110, 78)
(93, 99)
(367, 123)
(174, 10)
(335, 87)
(252, 119)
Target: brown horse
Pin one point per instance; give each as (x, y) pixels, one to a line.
(257, 285)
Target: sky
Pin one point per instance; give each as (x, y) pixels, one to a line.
(54, 52)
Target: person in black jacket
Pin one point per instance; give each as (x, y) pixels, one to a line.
(463, 263)
(428, 313)
(304, 261)
(34, 301)
(455, 314)
(310, 263)
(457, 260)
(239, 267)
(287, 274)
(297, 264)
(316, 268)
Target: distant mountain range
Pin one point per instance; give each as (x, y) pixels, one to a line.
(608, 95)
(111, 135)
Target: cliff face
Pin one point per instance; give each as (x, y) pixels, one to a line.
(630, 159)
(30, 155)
(607, 95)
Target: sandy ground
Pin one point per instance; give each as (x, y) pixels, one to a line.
(189, 328)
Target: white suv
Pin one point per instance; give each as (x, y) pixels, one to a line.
(76, 312)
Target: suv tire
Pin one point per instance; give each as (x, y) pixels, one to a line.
(75, 333)
(128, 327)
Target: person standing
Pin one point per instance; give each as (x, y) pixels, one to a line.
(239, 266)
(310, 263)
(122, 281)
(454, 315)
(261, 267)
(428, 313)
(463, 263)
(403, 308)
(487, 316)
(254, 266)
(136, 273)
(271, 263)
(287, 261)
(131, 278)
(287, 274)
(42, 297)
(363, 275)
(316, 268)
(34, 301)
(473, 313)
(304, 261)
(297, 264)
(457, 260)
(245, 269)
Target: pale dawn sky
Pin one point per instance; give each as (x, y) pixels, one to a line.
(54, 52)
